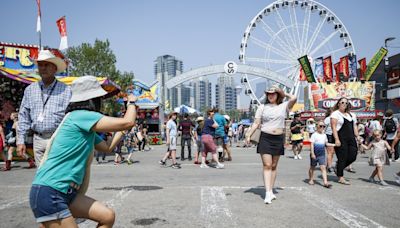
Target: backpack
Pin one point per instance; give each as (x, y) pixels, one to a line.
(390, 126)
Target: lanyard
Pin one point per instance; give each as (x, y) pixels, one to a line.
(48, 97)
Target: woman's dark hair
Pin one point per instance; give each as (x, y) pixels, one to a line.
(209, 111)
(89, 105)
(348, 107)
(279, 99)
(328, 112)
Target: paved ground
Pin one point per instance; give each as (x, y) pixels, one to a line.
(144, 194)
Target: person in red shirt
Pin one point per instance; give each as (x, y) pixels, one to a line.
(186, 126)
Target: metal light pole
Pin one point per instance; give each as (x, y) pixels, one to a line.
(386, 69)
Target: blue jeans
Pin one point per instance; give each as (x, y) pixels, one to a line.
(48, 204)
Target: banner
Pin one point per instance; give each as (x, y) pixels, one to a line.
(302, 76)
(38, 22)
(305, 64)
(353, 66)
(374, 62)
(393, 77)
(319, 69)
(337, 71)
(360, 95)
(328, 74)
(62, 28)
(363, 68)
(344, 66)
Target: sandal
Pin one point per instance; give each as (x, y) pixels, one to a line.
(328, 186)
(344, 182)
(311, 183)
(351, 170)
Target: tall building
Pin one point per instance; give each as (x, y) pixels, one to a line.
(202, 94)
(165, 68)
(225, 93)
(238, 90)
(186, 95)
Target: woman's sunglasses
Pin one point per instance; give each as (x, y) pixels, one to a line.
(323, 126)
(344, 102)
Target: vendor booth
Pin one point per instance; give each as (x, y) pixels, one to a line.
(17, 71)
(148, 109)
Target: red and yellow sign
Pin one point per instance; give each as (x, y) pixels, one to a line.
(360, 95)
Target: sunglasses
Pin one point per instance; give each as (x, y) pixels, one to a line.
(323, 126)
(344, 102)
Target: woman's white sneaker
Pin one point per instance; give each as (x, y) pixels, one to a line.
(267, 199)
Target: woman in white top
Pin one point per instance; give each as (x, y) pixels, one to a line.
(328, 131)
(271, 116)
(345, 132)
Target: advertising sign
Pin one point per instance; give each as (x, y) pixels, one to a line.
(353, 66)
(374, 63)
(360, 95)
(328, 68)
(393, 77)
(319, 69)
(305, 64)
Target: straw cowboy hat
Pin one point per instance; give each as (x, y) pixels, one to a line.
(276, 89)
(85, 88)
(48, 56)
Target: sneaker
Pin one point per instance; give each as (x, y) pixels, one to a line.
(383, 183)
(129, 162)
(204, 166)
(295, 157)
(163, 163)
(176, 166)
(371, 179)
(267, 199)
(299, 157)
(219, 166)
(273, 197)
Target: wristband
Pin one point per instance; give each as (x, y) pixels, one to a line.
(131, 103)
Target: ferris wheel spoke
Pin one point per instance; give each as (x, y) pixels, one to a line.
(286, 30)
(334, 51)
(326, 40)
(306, 25)
(315, 34)
(268, 46)
(292, 9)
(255, 79)
(273, 34)
(263, 60)
(286, 68)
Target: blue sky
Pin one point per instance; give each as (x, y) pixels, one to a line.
(197, 32)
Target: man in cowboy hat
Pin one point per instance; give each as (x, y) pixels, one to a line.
(43, 105)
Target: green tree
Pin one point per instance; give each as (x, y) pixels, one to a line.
(99, 60)
(96, 60)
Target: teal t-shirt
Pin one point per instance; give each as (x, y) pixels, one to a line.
(69, 152)
(220, 119)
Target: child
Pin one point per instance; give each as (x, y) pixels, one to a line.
(378, 156)
(318, 142)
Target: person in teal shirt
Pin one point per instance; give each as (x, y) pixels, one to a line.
(219, 132)
(57, 194)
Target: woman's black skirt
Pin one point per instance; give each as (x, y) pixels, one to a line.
(271, 144)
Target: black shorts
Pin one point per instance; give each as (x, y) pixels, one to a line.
(271, 144)
(331, 139)
(296, 142)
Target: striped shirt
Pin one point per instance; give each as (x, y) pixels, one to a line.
(35, 96)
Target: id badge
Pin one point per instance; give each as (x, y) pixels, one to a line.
(40, 117)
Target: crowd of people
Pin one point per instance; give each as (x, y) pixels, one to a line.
(69, 130)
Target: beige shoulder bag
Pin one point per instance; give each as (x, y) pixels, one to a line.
(255, 137)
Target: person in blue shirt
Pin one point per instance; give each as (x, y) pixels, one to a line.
(219, 132)
(57, 194)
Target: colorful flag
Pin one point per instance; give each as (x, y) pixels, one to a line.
(344, 66)
(319, 69)
(305, 64)
(363, 68)
(62, 27)
(374, 62)
(353, 66)
(38, 22)
(328, 74)
(337, 71)
(302, 75)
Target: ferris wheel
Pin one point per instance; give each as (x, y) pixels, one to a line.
(284, 31)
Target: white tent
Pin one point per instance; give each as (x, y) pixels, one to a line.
(185, 109)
